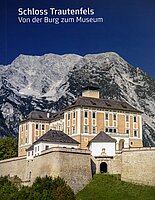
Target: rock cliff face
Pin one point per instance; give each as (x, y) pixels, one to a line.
(51, 82)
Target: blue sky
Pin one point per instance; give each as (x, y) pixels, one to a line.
(128, 29)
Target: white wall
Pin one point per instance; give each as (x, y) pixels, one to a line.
(96, 148)
(29, 155)
(43, 145)
(126, 142)
(39, 147)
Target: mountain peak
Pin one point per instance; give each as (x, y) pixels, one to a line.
(51, 82)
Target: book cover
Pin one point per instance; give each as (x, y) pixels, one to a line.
(34, 36)
(84, 68)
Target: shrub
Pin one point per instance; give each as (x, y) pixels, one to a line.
(52, 189)
(44, 188)
(7, 189)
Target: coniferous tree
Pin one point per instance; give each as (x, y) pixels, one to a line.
(8, 148)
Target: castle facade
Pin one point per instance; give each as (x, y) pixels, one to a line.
(92, 135)
(85, 119)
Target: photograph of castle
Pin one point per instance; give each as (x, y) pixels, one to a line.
(77, 94)
(92, 135)
(83, 120)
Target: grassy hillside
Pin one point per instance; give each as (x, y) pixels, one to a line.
(109, 187)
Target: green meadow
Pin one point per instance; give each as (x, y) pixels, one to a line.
(109, 187)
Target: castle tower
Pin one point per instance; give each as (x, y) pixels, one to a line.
(91, 91)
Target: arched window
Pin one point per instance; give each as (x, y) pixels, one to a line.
(30, 175)
(103, 167)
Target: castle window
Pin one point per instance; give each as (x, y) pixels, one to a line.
(86, 129)
(73, 122)
(73, 114)
(114, 130)
(108, 104)
(110, 130)
(123, 105)
(127, 118)
(26, 126)
(85, 114)
(43, 127)
(127, 131)
(135, 133)
(46, 147)
(68, 116)
(94, 115)
(73, 129)
(37, 126)
(94, 129)
(114, 116)
(35, 149)
(26, 140)
(106, 130)
(38, 148)
(68, 130)
(135, 119)
(107, 116)
(30, 175)
(92, 102)
(59, 127)
(22, 128)
(62, 126)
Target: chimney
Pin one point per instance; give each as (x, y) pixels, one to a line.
(91, 91)
(48, 115)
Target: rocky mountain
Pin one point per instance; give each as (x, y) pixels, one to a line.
(51, 82)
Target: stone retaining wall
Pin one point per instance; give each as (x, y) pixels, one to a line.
(138, 165)
(71, 164)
